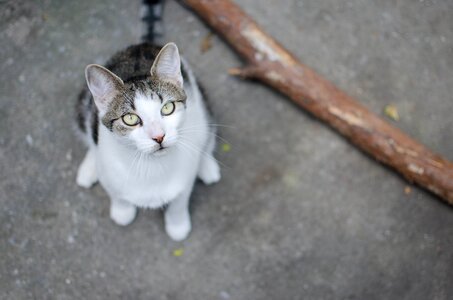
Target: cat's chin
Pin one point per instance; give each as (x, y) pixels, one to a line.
(160, 152)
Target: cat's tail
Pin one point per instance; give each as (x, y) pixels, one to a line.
(152, 17)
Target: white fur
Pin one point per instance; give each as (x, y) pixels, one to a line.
(87, 173)
(134, 174)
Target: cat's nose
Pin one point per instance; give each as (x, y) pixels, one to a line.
(159, 139)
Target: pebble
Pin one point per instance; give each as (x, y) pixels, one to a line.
(29, 140)
(224, 295)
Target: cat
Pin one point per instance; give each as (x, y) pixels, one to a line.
(148, 132)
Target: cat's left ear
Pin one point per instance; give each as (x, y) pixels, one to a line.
(167, 65)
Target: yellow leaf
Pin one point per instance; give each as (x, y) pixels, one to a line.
(392, 112)
(226, 147)
(178, 252)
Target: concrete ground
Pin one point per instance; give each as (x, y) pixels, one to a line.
(299, 213)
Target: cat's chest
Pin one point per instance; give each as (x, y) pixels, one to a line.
(146, 183)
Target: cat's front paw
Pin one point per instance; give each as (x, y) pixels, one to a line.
(209, 171)
(86, 174)
(180, 230)
(86, 180)
(122, 214)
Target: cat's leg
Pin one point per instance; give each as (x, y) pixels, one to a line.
(122, 212)
(177, 217)
(87, 174)
(209, 170)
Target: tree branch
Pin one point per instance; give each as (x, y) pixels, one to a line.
(270, 63)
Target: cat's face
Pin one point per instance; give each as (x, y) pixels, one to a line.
(152, 123)
(144, 114)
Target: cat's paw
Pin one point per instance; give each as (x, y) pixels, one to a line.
(180, 230)
(86, 178)
(122, 214)
(209, 171)
(87, 174)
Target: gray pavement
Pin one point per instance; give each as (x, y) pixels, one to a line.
(299, 213)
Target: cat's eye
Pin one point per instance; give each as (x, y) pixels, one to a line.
(131, 119)
(168, 108)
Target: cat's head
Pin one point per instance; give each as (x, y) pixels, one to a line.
(146, 113)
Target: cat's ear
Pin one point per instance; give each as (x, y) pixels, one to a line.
(167, 65)
(103, 84)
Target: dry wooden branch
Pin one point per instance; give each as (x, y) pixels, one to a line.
(270, 63)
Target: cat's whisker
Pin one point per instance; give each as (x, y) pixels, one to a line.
(209, 125)
(161, 167)
(214, 134)
(192, 152)
(222, 126)
(139, 164)
(142, 165)
(202, 152)
(132, 166)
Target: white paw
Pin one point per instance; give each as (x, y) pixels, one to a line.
(209, 171)
(86, 178)
(180, 230)
(87, 174)
(122, 214)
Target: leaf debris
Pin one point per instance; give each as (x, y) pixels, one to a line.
(407, 190)
(178, 252)
(206, 43)
(226, 147)
(391, 111)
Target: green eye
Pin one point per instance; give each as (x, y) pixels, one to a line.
(131, 119)
(168, 109)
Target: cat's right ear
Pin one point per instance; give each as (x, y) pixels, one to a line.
(167, 65)
(103, 84)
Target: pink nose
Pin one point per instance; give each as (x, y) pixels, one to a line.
(159, 139)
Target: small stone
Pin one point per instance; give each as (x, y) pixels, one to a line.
(71, 239)
(68, 281)
(29, 140)
(224, 295)
(69, 155)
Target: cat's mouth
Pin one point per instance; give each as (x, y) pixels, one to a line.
(154, 149)
(160, 151)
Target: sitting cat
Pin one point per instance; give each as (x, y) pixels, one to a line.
(148, 133)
